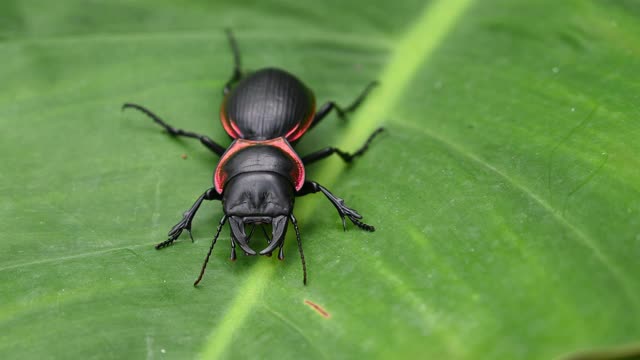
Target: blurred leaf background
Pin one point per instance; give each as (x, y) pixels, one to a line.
(506, 191)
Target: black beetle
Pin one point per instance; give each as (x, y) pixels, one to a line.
(259, 175)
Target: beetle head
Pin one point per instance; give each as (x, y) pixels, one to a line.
(256, 198)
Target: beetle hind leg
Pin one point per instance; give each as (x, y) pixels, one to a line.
(237, 65)
(205, 140)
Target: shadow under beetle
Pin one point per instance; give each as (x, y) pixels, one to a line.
(260, 174)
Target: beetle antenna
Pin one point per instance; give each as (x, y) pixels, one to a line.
(206, 260)
(304, 264)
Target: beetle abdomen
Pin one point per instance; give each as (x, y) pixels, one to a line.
(267, 104)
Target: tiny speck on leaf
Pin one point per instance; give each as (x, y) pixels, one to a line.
(319, 309)
(183, 156)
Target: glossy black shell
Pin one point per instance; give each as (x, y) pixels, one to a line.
(268, 104)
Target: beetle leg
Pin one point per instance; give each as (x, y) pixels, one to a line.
(237, 68)
(205, 140)
(311, 187)
(348, 158)
(187, 218)
(342, 112)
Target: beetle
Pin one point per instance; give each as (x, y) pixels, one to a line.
(260, 174)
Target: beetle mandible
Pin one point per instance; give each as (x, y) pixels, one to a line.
(259, 175)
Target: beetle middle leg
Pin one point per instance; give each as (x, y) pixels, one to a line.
(347, 157)
(312, 187)
(187, 218)
(205, 140)
(342, 112)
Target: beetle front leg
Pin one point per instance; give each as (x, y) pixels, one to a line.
(187, 218)
(311, 187)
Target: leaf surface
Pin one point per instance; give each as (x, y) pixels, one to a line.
(505, 191)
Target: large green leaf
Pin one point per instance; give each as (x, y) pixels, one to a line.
(506, 191)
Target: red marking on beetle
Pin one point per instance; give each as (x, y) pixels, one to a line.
(229, 125)
(235, 128)
(318, 308)
(288, 136)
(300, 128)
(298, 173)
(292, 135)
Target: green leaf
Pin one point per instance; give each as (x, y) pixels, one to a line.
(505, 191)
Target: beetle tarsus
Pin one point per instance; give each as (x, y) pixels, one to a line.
(187, 218)
(363, 226)
(173, 235)
(164, 244)
(184, 224)
(354, 216)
